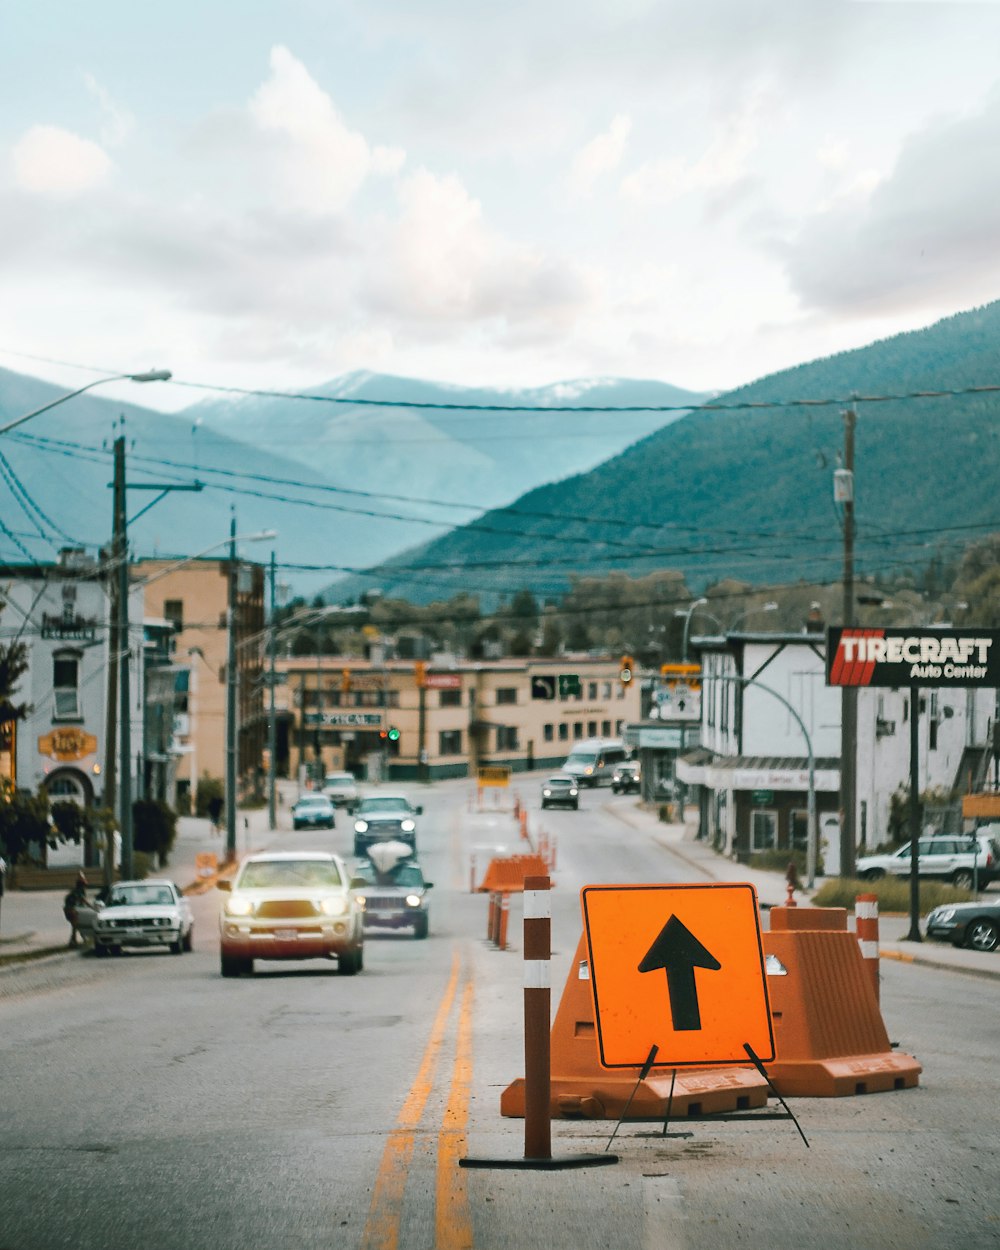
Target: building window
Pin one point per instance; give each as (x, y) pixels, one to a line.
(605, 729)
(607, 688)
(506, 737)
(578, 729)
(173, 610)
(763, 830)
(563, 732)
(592, 729)
(591, 689)
(799, 822)
(507, 694)
(450, 742)
(66, 684)
(450, 698)
(547, 732)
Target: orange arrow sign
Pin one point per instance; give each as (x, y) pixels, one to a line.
(713, 998)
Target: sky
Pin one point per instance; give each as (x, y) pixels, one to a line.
(270, 195)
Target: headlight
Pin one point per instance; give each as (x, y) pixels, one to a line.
(237, 906)
(546, 793)
(408, 826)
(333, 906)
(942, 915)
(361, 826)
(413, 900)
(361, 901)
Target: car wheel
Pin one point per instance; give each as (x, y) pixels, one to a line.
(962, 879)
(873, 874)
(177, 947)
(114, 950)
(349, 961)
(100, 951)
(234, 966)
(421, 925)
(982, 935)
(188, 943)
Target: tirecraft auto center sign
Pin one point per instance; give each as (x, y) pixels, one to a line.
(912, 657)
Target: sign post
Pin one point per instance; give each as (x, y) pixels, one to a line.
(913, 658)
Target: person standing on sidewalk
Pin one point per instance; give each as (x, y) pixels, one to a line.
(74, 900)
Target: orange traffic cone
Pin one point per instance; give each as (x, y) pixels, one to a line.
(582, 1089)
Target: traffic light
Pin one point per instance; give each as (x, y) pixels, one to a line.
(420, 672)
(393, 734)
(345, 679)
(627, 670)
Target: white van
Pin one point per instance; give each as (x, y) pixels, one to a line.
(593, 761)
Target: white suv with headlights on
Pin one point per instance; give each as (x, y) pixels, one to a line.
(291, 905)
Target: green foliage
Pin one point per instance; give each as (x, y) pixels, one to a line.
(154, 828)
(71, 821)
(893, 894)
(209, 788)
(24, 820)
(778, 861)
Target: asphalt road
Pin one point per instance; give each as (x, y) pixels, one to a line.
(146, 1102)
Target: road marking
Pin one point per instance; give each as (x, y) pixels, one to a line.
(382, 1226)
(453, 1219)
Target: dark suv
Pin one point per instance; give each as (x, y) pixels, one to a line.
(385, 818)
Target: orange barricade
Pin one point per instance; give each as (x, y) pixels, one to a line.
(507, 875)
(206, 864)
(866, 927)
(582, 1089)
(830, 1040)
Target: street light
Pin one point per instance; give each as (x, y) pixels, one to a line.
(150, 375)
(687, 624)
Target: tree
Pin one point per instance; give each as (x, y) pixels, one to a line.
(155, 828)
(24, 821)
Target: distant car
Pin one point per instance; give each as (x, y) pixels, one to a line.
(385, 818)
(288, 905)
(395, 899)
(341, 789)
(976, 925)
(313, 811)
(940, 858)
(144, 913)
(626, 778)
(560, 790)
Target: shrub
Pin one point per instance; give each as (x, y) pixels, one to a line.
(154, 828)
(778, 861)
(209, 788)
(893, 894)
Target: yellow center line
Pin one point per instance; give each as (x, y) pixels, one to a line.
(453, 1219)
(382, 1226)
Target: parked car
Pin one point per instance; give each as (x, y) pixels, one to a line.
(291, 905)
(313, 811)
(967, 924)
(143, 913)
(382, 818)
(593, 760)
(395, 899)
(341, 789)
(627, 778)
(560, 791)
(940, 857)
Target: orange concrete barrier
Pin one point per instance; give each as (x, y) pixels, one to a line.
(507, 874)
(580, 1088)
(866, 927)
(830, 1040)
(206, 864)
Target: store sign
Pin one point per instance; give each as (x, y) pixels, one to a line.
(912, 657)
(443, 681)
(356, 720)
(664, 739)
(69, 743)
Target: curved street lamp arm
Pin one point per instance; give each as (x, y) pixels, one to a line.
(151, 375)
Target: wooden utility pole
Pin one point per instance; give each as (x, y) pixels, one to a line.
(849, 694)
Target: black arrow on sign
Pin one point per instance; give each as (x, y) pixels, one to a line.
(679, 952)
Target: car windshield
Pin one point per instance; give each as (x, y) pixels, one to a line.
(561, 781)
(268, 873)
(385, 805)
(585, 758)
(340, 779)
(142, 896)
(313, 800)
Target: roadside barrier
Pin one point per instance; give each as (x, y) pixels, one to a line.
(580, 1088)
(830, 1039)
(508, 873)
(866, 927)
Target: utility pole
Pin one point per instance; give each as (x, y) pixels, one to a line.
(272, 724)
(849, 694)
(231, 675)
(120, 545)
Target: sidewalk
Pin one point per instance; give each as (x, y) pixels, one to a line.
(32, 923)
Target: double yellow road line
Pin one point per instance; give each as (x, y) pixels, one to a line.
(452, 1218)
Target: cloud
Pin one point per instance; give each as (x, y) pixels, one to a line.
(601, 156)
(323, 163)
(48, 160)
(117, 122)
(927, 232)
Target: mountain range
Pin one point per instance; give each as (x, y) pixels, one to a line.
(743, 487)
(346, 484)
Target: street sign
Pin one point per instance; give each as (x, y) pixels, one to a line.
(569, 686)
(543, 686)
(356, 720)
(679, 967)
(495, 775)
(912, 657)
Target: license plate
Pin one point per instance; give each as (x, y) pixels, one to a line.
(289, 934)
